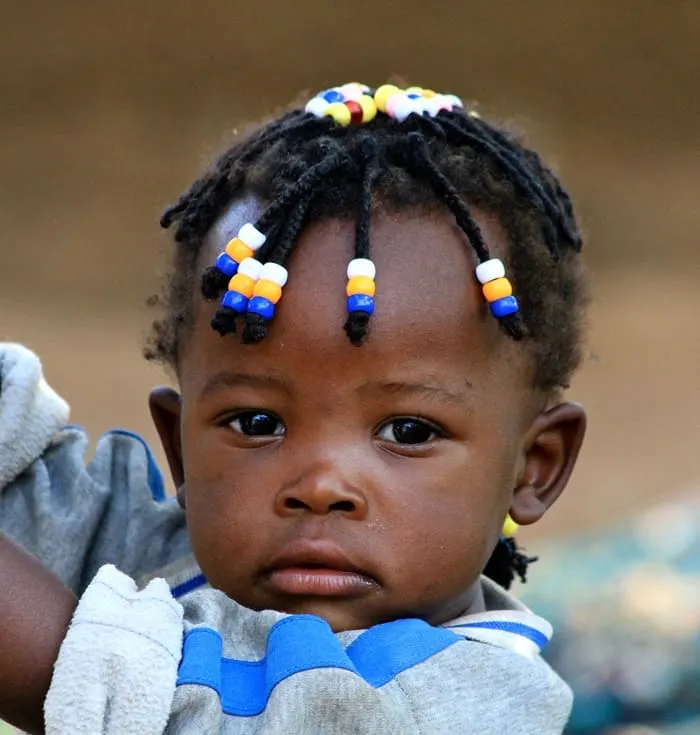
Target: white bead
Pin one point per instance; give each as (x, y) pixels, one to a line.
(453, 100)
(437, 103)
(251, 267)
(274, 272)
(317, 106)
(404, 107)
(489, 270)
(251, 236)
(351, 92)
(361, 267)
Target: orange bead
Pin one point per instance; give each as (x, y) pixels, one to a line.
(361, 284)
(238, 250)
(268, 290)
(242, 284)
(498, 289)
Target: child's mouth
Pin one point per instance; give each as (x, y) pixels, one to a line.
(319, 581)
(317, 568)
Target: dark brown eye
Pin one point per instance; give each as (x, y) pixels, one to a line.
(257, 423)
(408, 431)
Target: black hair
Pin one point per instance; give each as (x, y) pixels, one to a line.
(309, 169)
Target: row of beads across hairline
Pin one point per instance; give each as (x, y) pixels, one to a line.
(256, 287)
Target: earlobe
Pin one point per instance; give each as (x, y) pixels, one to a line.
(552, 446)
(165, 407)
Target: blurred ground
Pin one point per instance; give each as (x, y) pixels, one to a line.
(110, 109)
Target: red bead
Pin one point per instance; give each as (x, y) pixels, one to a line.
(355, 112)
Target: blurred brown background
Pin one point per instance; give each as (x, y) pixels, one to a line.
(110, 109)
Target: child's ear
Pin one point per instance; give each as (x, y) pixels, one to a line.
(551, 448)
(165, 406)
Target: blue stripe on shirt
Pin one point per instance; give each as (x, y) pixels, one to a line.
(525, 631)
(303, 643)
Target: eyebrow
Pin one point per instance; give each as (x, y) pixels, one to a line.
(429, 391)
(224, 379)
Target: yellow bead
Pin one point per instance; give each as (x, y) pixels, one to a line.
(474, 114)
(498, 289)
(414, 90)
(238, 250)
(242, 284)
(429, 93)
(268, 290)
(361, 284)
(510, 527)
(339, 112)
(369, 108)
(382, 95)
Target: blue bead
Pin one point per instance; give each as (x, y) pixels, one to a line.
(236, 301)
(262, 306)
(333, 95)
(227, 265)
(361, 302)
(413, 96)
(504, 307)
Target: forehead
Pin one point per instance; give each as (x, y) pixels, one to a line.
(429, 308)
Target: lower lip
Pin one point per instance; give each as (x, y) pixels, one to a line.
(320, 582)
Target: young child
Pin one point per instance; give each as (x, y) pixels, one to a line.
(336, 558)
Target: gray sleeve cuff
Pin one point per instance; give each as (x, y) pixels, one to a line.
(117, 667)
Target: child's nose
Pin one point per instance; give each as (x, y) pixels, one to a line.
(322, 493)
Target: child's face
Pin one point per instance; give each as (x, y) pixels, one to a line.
(362, 484)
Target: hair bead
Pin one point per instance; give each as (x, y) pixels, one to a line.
(355, 112)
(235, 301)
(504, 307)
(369, 108)
(250, 267)
(498, 289)
(317, 106)
(339, 112)
(237, 250)
(251, 236)
(361, 285)
(242, 284)
(276, 273)
(490, 270)
(332, 96)
(360, 302)
(268, 290)
(382, 95)
(361, 267)
(352, 91)
(226, 264)
(262, 307)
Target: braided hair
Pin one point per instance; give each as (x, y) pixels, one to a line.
(308, 169)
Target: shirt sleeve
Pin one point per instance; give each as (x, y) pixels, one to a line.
(76, 517)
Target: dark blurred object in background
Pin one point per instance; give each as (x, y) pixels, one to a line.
(625, 605)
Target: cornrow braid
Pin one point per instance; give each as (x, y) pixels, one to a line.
(420, 161)
(308, 166)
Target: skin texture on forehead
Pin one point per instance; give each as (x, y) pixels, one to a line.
(420, 521)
